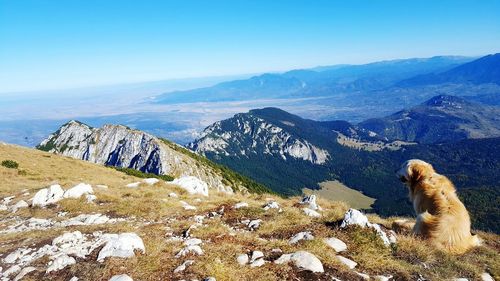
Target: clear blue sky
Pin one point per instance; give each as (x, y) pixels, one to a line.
(50, 44)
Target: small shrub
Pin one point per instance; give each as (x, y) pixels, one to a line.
(22, 172)
(139, 174)
(10, 164)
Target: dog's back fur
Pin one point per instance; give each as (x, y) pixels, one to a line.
(441, 216)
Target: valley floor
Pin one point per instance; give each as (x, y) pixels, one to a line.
(210, 235)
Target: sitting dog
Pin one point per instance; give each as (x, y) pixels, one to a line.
(441, 216)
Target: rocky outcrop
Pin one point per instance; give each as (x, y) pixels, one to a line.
(119, 146)
(247, 134)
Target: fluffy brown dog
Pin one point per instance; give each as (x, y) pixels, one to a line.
(441, 217)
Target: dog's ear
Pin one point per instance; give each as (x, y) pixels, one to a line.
(418, 172)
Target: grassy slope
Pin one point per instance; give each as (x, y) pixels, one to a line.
(152, 209)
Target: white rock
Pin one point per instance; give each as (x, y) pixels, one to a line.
(60, 262)
(173, 195)
(133, 184)
(254, 224)
(121, 245)
(192, 242)
(382, 278)
(195, 249)
(121, 277)
(13, 269)
(102, 186)
(78, 190)
(17, 254)
(74, 278)
(354, 217)
(49, 195)
(20, 204)
(258, 263)
(364, 276)
(183, 266)
(310, 200)
(90, 198)
(150, 181)
(283, 259)
(192, 185)
(349, 263)
(305, 235)
(486, 277)
(242, 259)
(311, 213)
(210, 279)
(460, 279)
(241, 205)
(186, 206)
(306, 261)
(272, 205)
(337, 244)
(256, 255)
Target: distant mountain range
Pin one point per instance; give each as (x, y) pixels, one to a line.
(288, 153)
(481, 71)
(359, 92)
(320, 81)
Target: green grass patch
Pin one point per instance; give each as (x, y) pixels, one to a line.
(139, 174)
(11, 164)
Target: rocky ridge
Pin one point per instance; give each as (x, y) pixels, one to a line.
(119, 146)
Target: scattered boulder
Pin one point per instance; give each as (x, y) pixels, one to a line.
(382, 278)
(91, 198)
(121, 277)
(305, 235)
(242, 259)
(311, 213)
(78, 190)
(150, 181)
(192, 242)
(183, 266)
(47, 196)
(192, 185)
(355, 217)
(486, 277)
(24, 272)
(349, 263)
(121, 245)
(303, 260)
(272, 205)
(19, 205)
(256, 255)
(364, 276)
(133, 184)
(258, 263)
(186, 206)
(310, 201)
(254, 224)
(195, 249)
(241, 205)
(210, 279)
(337, 244)
(173, 195)
(60, 262)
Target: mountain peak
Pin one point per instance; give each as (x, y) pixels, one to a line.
(446, 101)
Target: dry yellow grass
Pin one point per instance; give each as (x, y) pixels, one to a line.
(154, 216)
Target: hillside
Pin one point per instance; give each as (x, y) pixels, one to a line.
(165, 233)
(281, 151)
(441, 119)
